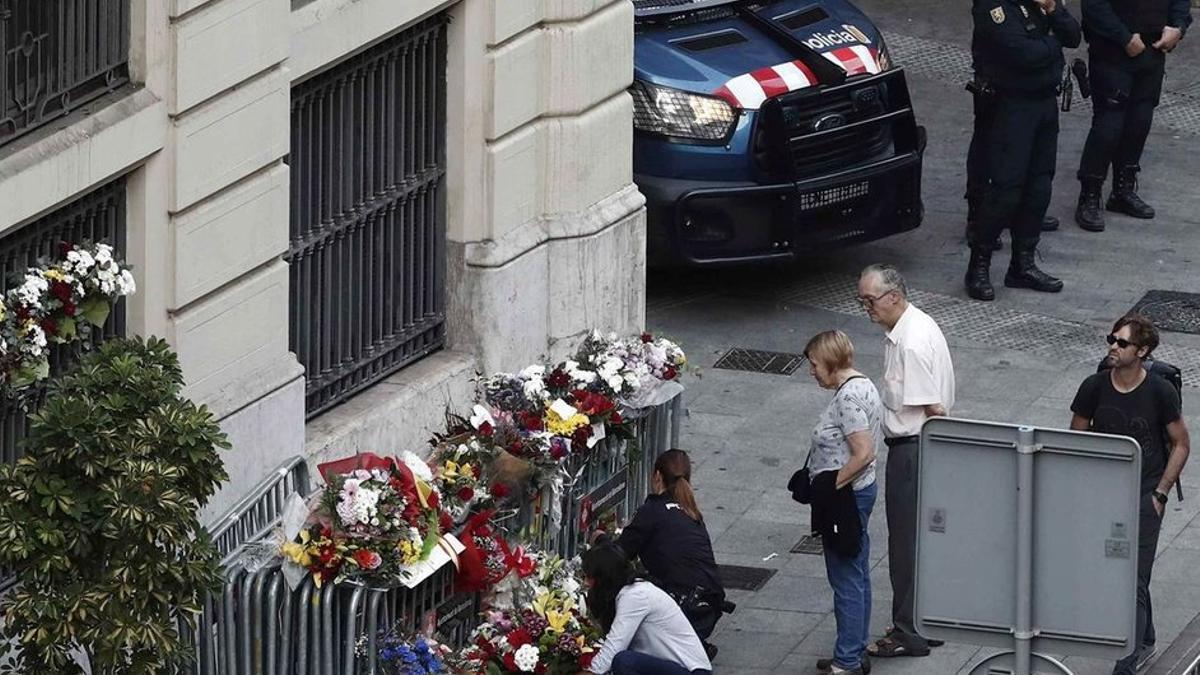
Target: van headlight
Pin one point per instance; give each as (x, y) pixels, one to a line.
(884, 59)
(680, 114)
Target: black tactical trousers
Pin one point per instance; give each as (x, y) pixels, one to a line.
(1124, 95)
(1021, 146)
(976, 156)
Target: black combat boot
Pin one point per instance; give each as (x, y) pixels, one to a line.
(1088, 214)
(979, 273)
(1124, 197)
(1023, 271)
(1049, 224)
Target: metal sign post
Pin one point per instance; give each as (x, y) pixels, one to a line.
(1018, 528)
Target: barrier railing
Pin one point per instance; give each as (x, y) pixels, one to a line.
(256, 624)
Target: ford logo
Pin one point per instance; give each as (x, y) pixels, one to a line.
(827, 122)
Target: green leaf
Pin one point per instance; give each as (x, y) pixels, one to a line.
(31, 373)
(95, 310)
(66, 329)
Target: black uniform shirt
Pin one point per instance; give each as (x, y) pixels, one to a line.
(1018, 48)
(1110, 24)
(674, 548)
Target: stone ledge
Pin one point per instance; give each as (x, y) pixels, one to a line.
(43, 173)
(400, 413)
(525, 238)
(325, 31)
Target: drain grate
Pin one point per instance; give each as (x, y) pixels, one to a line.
(809, 544)
(1171, 310)
(756, 361)
(744, 578)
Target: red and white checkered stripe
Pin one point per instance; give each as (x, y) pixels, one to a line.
(750, 90)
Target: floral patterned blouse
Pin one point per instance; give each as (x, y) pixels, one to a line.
(855, 407)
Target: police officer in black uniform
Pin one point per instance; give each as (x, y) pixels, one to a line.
(977, 159)
(1019, 57)
(1127, 45)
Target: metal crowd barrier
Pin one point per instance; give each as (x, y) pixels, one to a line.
(256, 625)
(605, 481)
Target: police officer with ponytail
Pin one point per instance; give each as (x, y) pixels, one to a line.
(1128, 41)
(669, 535)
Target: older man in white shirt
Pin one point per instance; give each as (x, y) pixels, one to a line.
(918, 383)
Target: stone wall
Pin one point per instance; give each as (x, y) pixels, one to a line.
(545, 229)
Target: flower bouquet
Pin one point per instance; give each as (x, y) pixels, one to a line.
(485, 559)
(374, 522)
(548, 633)
(57, 303)
(635, 369)
(400, 655)
(458, 464)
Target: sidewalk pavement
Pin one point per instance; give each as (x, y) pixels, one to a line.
(747, 432)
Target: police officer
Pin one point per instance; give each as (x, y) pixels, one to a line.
(1127, 45)
(1019, 57)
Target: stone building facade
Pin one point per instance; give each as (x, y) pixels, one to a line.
(340, 210)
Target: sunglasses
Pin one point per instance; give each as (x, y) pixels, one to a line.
(1120, 342)
(869, 300)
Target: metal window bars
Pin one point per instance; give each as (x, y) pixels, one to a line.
(57, 55)
(368, 222)
(98, 216)
(257, 625)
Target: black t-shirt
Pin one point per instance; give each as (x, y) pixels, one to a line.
(1143, 414)
(675, 549)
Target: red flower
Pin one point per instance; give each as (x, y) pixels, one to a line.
(49, 327)
(510, 663)
(530, 420)
(60, 290)
(540, 668)
(585, 660)
(557, 451)
(591, 403)
(519, 637)
(367, 560)
(580, 438)
(485, 429)
(445, 521)
(523, 564)
(558, 379)
(433, 500)
(616, 418)
(670, 373)
(466, 494)
(646, 337)
(500, 490)
(69, 308)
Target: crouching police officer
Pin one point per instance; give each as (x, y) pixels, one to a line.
(1019, 56)
(1127, 45)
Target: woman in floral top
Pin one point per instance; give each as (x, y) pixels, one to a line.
(844, 440)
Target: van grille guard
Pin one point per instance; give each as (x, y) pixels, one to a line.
(813, 131)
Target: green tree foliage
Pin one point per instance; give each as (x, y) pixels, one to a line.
(99, 519)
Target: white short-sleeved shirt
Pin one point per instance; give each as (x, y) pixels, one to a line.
(917, 372)
(855, 407)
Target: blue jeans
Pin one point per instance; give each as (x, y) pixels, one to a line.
(851, 582)
(637, 663)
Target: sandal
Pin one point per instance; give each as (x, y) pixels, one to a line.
(887, 648)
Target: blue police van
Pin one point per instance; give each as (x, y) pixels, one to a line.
(765, 130)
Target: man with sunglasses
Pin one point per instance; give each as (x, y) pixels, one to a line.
(918, 383)
(1127, 400)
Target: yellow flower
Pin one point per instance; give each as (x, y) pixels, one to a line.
(560, 427)
(54, 274)
(297, 553)
(467, 471)
(3, 313)
(449, 469)
(557, 620)
(409, 553)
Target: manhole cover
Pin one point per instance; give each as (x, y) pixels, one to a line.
(809, 544)
(1171, 310)
(756, 361)
(744, 578)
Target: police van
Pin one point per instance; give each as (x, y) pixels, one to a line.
(766, 130)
